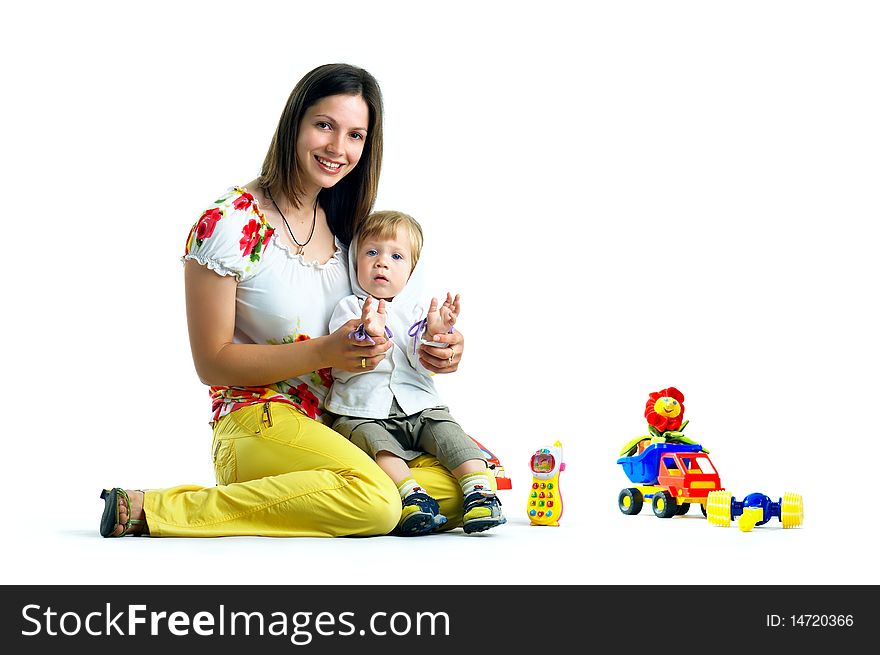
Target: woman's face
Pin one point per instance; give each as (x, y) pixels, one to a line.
(331, 140)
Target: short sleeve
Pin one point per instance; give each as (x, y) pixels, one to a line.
(231, 236)
(347, 309)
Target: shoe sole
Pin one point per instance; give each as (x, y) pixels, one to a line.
(483, 524)
(110, 517)
(419, 523)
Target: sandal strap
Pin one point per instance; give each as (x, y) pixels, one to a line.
(130, 521)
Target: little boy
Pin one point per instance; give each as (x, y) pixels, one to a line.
(393, 412)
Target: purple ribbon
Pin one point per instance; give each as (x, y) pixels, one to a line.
(417, 328)
(360, 334)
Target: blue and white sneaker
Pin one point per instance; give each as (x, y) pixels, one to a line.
(420, 515)
(482, 511)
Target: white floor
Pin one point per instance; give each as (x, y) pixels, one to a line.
(595, 544)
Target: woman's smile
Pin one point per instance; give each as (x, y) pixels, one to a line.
(330, 167)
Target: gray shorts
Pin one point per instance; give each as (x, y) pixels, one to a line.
(431, 431)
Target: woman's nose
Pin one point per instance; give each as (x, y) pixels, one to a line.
(335, 145)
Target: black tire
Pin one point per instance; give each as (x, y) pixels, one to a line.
(683, 509)
(664, 505)
(703, 509)
(630, 501)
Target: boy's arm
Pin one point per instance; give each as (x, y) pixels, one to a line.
(441, 318)
(373, 317)
(345, 310)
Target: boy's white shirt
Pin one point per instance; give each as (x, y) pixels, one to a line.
(369, 394)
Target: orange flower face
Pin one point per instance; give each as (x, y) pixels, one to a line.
(665, 409)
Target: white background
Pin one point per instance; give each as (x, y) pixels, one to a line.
(628, 195)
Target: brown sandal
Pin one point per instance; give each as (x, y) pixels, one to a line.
(110, 518)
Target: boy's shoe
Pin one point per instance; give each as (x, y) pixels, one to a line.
(420, 515)
(481, 512)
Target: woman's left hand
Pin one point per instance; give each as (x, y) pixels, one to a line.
(442, 360)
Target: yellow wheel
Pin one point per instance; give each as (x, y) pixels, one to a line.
(792, 510)
(718, 508)
(629, 501)
(664, 505)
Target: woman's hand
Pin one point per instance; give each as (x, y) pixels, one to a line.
(442, 360)
(347, 353)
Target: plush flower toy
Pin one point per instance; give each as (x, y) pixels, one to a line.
(664, 411)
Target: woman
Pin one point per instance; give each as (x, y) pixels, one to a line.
(264, 267)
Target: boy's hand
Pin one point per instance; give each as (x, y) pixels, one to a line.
(441, 318)
(373, 319)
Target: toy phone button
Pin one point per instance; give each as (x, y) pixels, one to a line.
(562, 466)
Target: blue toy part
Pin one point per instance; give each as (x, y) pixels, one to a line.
(644, 467)
(761, 506)
(754, 510)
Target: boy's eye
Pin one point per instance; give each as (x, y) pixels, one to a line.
(397, 256)
(371, 252)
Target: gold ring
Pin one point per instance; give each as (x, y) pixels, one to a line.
(451, 357)
(363, 362)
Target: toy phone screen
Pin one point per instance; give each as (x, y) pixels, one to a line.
(542, 463)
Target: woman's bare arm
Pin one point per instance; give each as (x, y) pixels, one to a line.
(210, 316)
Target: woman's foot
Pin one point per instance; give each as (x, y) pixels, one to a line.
(138, 523)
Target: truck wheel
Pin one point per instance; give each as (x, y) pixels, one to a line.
(683, 509)
(703, 508)
(718, 512)
(792, 510)
(664, 505)
(630, 501)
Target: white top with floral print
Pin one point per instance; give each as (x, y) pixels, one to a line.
(280, 297)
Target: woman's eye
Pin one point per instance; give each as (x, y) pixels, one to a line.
(357, 136)
(323, 125)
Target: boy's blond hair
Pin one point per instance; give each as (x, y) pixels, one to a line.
(384, 225)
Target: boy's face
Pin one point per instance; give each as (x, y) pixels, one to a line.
(384, 265)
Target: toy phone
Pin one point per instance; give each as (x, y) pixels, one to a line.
(544, 505)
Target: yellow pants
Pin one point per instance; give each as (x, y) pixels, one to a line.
(282, 474)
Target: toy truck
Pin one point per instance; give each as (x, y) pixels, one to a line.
(673, 476)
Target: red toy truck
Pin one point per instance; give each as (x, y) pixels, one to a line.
(672, 476)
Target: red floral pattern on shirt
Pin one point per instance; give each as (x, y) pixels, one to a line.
(255, 234)
(244, 201)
